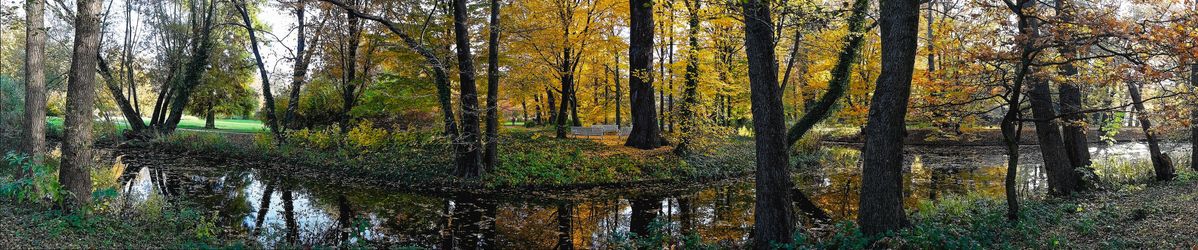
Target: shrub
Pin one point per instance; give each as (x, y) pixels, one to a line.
(365, 137)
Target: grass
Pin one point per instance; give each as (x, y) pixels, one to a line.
(187, 122)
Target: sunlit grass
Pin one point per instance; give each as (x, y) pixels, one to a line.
(187, 122)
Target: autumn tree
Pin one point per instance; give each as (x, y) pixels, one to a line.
(772, 213)
(645, 133)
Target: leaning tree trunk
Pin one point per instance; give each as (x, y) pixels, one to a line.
(194, 71)
(267, 96)
(1162, 165)
(470, 164)
(841, 74)
(773, 221)
(490, 157)
(33, 142)
(645, 133)
(881, 203)
(75, 171)
(1061, 180)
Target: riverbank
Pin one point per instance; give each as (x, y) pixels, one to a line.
(529, 160)
(978, 137)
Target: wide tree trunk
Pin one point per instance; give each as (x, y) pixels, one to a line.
(773, 216)
(1061, 180)
(75, 171)
(210, 117)
(33, 139)
(1162, 164)
(881, 203)
(470, 163)
(267, 96)
(490, 158)
(1194, 120)
(645, 133)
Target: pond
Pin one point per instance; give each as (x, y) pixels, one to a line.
(275, 209)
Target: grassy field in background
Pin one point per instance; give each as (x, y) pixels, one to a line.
(224, 125)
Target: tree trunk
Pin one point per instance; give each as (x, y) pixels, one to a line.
(349, 70)
(267, 96)
(552, 105)
(194, 71)
(33, 142)
(1162, 164)
(470, 165)
(210, 117)
(491, 156)
(567, 79)
(132, 117)
(645, 133)
(690, 95)
(841, 75)
(75, 172)
(1061, 180)
(1011, 124)
(773, 216)
(1194, 120)
(620, 94)
(1074, 129)
(881, 202)
(300, 70)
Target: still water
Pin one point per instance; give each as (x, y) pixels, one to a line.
(276, 210)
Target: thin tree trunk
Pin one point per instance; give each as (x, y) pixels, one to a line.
(567, 79)
(267, 96)
(645, 133)
(620, 93)
(773, 221)
(470, 164)
(841, 75)
(1162, 164)
(1194, 120)
(881, 202)
(75, 171)
(33, 142)
(490, 158)
(349, 70)
(1011, 125)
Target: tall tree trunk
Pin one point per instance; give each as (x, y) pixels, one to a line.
(1061, 177)
(75, 172)
(841, 75)
(773, 221)
(881, 203)
(567, 79)
(1011, 125)
(194, 71)
(33, 142)
(690, 95)
(574, 120)
(133, 118)
(1194, 120)
(491, 156)
(267, 96)
(349, 70)
(620, 94)
(128, 58)
(645, 133)
(1070, 96)
(470, 165)
(300, 71)
(1162, 164)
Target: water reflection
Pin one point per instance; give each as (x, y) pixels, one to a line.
(279, 211)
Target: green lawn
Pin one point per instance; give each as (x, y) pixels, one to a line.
(225, 125)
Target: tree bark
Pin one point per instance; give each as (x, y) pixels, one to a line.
(491, 156)
(773, 216)
(75, 171)
(1194, 120)
(567, 80)
(1061, 177)
(33, 142)
(470, 165)
(267, 96)
(1011, 125)
(645, 133)
(620, 94)
(349, 64)
(690, 95)
(881, 203)
(1070, 96)
(1162, 164)
(210, 116)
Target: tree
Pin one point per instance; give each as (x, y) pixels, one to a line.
(881, 203)
(773, 217)
(645, 133)
(690, 95)
(1162, 165)
(269, 98)
(75, 171)
(197, 65)
(491, 155)
(1070, 96)
(33, 141)
(471, 161)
